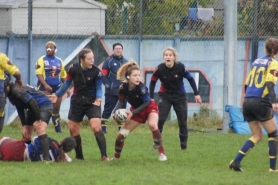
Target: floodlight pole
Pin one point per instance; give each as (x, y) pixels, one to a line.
(230, 58)
(30, 25)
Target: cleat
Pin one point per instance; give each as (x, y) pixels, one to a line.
(114, 159)
(272, 170)
(162, 157)
(47, 162)
(79, 158)
(104, 158)
(235, 166)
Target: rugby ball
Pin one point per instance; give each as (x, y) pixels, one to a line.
(120, 115)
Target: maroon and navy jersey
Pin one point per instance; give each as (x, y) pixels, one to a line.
(34, 150)
(171, 78)
(86, 81)
(136, 96)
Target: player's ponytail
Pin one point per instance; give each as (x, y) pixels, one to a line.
(126, 69)
(66, 146)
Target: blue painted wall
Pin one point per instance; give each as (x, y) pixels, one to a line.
(207, 55)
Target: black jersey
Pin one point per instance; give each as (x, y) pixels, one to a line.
(171, 78)
(20, 97)
(136, 96)
(86, 81)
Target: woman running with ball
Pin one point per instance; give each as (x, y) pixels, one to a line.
(142, 107)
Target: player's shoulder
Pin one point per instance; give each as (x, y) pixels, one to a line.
(109, 58)
(142, 88)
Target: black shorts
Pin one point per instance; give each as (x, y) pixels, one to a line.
(81, 106)
(257, 109)
(45, 116)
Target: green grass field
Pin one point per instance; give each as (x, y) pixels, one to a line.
(205, 162)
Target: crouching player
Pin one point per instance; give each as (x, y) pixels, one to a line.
(38, 109)
(142, 108)
(17, 150)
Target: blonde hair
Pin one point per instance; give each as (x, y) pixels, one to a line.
(173, 50)
(126, 69)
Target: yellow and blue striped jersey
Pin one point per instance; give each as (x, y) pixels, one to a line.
(52, 69)
(8, 66)
(262, 71)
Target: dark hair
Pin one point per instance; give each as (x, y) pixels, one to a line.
(83, 52)
(117, 44)
(65, 146)
(271, 47)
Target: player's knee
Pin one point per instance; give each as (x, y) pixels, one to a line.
(272, 134)
(124, 132)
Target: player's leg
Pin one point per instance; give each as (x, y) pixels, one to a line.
(257, 136)
(180, 107)
(153, 120)
(126, 129)
(93, 113)
(41, 127)
(2, 112)
(56, 119)
(164, 106)
(75, 116)
(110, 102)
(254, 117)
(271, 129)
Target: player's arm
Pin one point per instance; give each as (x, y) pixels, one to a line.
(153, 81)
(61, 91)
(97, 102)
(9, 67)
(121, 99)
(29, 100)
(40, 72)
(146, 100)
(33, 105)
(271, 79)
(98, 86)
(21, 115)
(63, 73)
(105, 73)
(118, 105)
(193, 85)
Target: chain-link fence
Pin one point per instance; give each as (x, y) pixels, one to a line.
(69, 19)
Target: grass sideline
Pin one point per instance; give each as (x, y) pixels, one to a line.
(205, 162)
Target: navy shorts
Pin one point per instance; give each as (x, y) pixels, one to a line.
(81, 106)
(257, 109)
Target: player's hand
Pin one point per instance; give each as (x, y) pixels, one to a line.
(198, 99)
(129, 115)
(97, 102)
(18, 83)
(275, 107)
(48, 88)
(68, 93)
(113, 116)
(52, 97)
